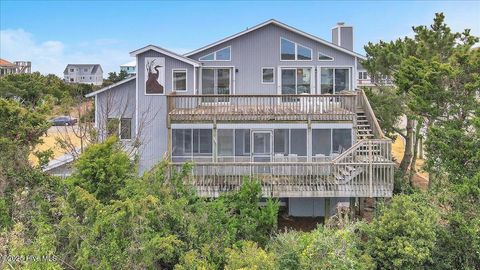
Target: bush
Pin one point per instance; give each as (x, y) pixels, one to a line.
(322, 248)
(404, 234)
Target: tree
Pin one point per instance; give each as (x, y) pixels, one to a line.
(404, 235)
(422, 70)
(113, 77)
(323, 248)
(33, 89)
(247, 255)
(102, 170)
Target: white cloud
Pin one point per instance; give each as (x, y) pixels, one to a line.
(52, 56)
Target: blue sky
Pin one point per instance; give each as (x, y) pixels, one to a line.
(54, 33)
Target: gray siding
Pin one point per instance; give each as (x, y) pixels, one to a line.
(261, 48)
(117, 102)
(152, 109)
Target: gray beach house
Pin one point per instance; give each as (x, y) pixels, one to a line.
(271, 102)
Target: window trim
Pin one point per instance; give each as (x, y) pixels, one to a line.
(119, 127)
(186, 79)
(273, 79)
(215, 55)
(319, 77)
(296, 51)
(320, 53)
(313, 85)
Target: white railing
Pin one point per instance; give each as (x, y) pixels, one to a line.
(365, 170)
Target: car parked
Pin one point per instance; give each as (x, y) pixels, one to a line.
(63, 121)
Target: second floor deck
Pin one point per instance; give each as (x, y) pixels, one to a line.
(306, 107)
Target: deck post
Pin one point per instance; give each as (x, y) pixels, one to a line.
(327, 210)
(370, 168)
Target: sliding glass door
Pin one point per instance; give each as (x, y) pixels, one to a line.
(295, 81)
(334, 80)
(216, 81)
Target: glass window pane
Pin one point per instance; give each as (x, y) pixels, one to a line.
(326, 81)
(288, 81)
(208, 81)
(267, 75)
(261, 143)
(225, 142)
(321, 141)
(126, 128)
(181, 142)
(223, 81)
(242, 142)
(287, 50)
(208, 57)
(342, 140)
(303, 53)
(112, 126)
(342, 81)
(281, 141)
(298, 141)
(303, 80)
(180, 80)
(323, 57)
(202, 142)
(223, 54)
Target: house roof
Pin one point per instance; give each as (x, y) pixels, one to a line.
(110, 86)
(282, 25)
(5, 63)
(94, 69)
(130, 64)
(166, 52)
(60, 161)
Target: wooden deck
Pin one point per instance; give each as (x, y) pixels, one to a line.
(201, 108)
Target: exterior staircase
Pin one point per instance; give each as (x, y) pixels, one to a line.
(364, 130)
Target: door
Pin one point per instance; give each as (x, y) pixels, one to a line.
(262, 150)
(216, 81)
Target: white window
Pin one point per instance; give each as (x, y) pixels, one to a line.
(191, 142)
(268, 75)
(120, 127)
(326, 142)
(291, 142)
(324, 57)
(290, 51)
(296, 81)
(334, 80)
(72, 70)
(85, 69)
(362, 75)
(179, 80)
(220, 55)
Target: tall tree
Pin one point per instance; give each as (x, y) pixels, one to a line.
(421, 67)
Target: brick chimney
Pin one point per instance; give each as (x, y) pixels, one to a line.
(342, 35)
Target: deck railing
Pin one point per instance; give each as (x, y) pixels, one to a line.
(261, 107)
(362, 102)
(365, 170)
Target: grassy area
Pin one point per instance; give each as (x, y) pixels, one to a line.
(398, 148)
(50, 141)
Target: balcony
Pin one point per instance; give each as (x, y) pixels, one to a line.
(364, 170)
(210, 108)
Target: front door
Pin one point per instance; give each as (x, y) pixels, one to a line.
(262, 149)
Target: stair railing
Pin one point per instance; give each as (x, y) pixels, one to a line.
(363, 102)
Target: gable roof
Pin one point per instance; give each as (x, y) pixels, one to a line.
(5, 63)
(94, 67)
(166, 52)
(110, 86)
(282, 25)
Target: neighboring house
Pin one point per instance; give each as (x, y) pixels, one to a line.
(61, 166)
(129, 67)
(18, 67)
(271, 102)
(83, 73)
